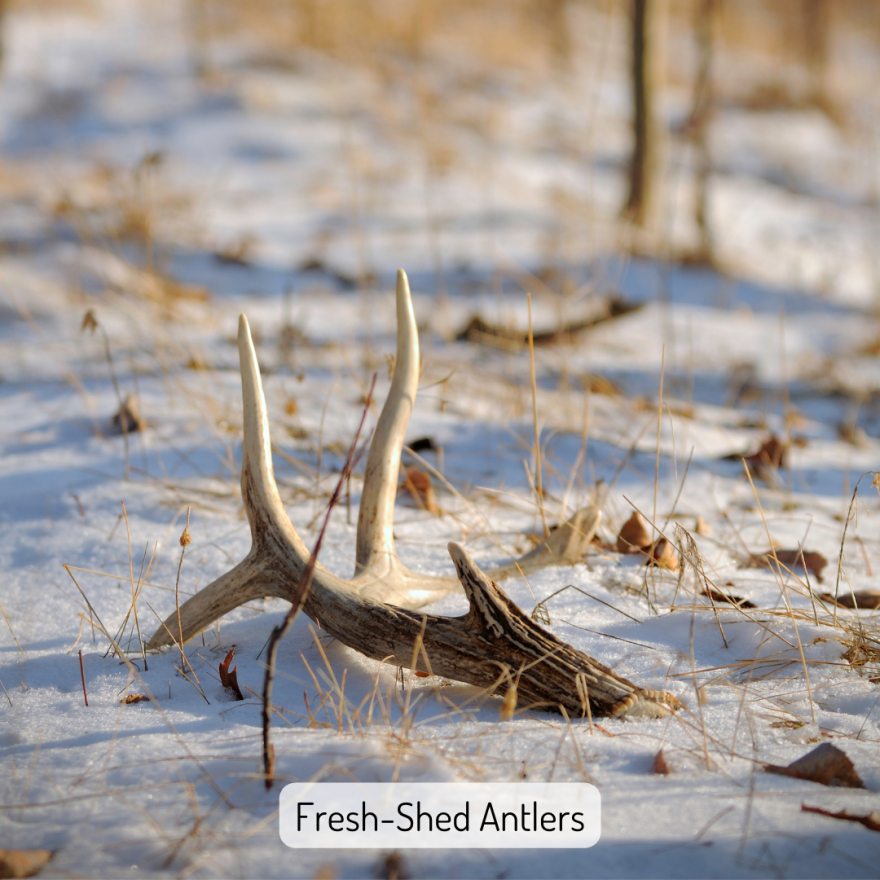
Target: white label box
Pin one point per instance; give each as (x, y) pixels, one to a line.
(427, 815)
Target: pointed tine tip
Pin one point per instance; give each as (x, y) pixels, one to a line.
(456, 551)
(463, 561)
(244, 330)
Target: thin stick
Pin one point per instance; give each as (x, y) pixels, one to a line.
(185, 539)
(299, 596)
(82, 674)
(659, 417)
(539, 489)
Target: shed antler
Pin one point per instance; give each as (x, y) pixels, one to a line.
(494, 646)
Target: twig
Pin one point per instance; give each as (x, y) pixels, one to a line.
(185, 539)
(539, 488)
(302, 589)
(82, 674)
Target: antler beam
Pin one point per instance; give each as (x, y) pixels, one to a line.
(494, 646)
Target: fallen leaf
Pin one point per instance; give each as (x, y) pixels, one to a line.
(238, 253)
(128, 420)
(661, 768)
(228, 679)
(771, 455)
(597, 384)
(15, 863)
(826, 764)
(633, 536)
(814, 563)
(701, 527)
(860, 599)
(869, 820)
(135, 698)
(421, 488)
(662, 555)
(423, 444)
(90, 322)
(718, 596)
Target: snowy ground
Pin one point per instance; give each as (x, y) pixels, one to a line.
(319, 174)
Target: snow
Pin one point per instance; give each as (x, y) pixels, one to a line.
(325, 166)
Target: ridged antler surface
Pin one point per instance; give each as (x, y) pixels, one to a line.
(493, 646)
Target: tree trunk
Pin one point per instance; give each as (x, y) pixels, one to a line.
(642, 170)
(699, 126)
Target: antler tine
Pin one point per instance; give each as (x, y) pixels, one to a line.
(265, 511)
(256, 575)
(375, 552)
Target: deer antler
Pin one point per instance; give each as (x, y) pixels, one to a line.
(493, 646)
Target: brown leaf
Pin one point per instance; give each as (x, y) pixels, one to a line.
(813, 562)
(772, 453)
(15, 863)
(869, 820)
(701, 527)
(826, 764)
(128, 420)
(135, 698)
(228, 679)
(718, 596)
(661, 768)
(597, 384)
(662, 555)
(860, 599)
(90, 322)
(634, 536)
(421, 488)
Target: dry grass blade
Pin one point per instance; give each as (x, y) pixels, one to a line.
(11, 630)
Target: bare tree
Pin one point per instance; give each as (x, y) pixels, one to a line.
(643, 162)
(698, 125)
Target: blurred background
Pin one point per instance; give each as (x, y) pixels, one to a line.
(346, 137)
(683, 187)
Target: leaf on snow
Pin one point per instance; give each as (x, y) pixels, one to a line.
(134, 698)
(228, 679)
(859, 599)
(826, 764)
(16, 863)
(814, 563)
(633, 536)
(662, 555)
(420, 487)
(661, 767)
(718, 596)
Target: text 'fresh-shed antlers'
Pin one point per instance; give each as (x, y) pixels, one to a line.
(494, 646)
